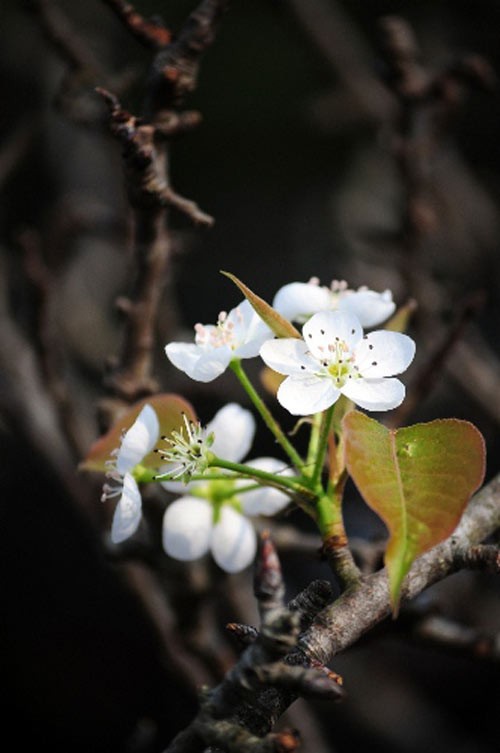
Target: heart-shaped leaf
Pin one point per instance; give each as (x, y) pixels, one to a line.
(417, 479)
(169, 409)
(276, 323)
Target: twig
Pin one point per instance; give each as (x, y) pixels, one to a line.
(146, 158)
(427, 102)
(152, 34)
(84, 69)
(259, 669)
(345, 52)
(436, 361)
(436, 630)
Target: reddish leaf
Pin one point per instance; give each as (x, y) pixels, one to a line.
(169, 409)
(417, 479)
(277, 323)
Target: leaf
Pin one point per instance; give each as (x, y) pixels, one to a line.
(169, 409)
(400, 320)
(417, 479)
(277, 323)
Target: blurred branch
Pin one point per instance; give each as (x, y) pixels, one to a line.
(437, 360)
(74, 97)
(436, 630)
(146, 159)
(47, 342)
(152, 34)
(427, 103)
(342, 47)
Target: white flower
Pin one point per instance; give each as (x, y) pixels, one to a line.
(298, 301)
(335, 358)
(136, 443)
(211, 515)
(238, 334)
(188, 454)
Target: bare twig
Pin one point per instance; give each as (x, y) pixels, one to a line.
(146, 157)
(152, 34)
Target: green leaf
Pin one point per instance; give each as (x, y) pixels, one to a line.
(169, 409)
(417, 479)
(277, 323)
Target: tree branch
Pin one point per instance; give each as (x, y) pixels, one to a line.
(340, 624)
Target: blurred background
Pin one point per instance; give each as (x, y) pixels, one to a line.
(321, 153)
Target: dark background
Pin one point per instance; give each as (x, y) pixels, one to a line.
(302, 181)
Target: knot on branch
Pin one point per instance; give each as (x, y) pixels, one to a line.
(145, 159)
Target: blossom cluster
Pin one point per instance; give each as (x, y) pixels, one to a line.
(216, 499)
(334, 356)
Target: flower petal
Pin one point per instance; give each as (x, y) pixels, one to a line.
(128, 511)
(375, 394)
(200, 364)
(288, 355)
(265, 500)
(302, 396)
(234, 541)
(139, 440)
(383, 353)
(370, 307)
(297, 301)
(234, 429)
(327, 328)
(187, 528)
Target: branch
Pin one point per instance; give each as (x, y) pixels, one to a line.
(356, 612)
(152, 34)
(339, 625)
(222, 720)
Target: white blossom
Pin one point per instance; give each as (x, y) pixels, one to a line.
(237, 334)
(334, 358)
(211, 516)
(298, 301)
(137, 442)
(188, 449)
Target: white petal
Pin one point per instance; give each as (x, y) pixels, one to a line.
(375, 394)
(234, 429)
(200, 364)
(288, 355)
(370, 307)
(328, 327)
(250, 331)
(299, 300)
(302, 396)
(128, 511)
(139, 440)
(234, 542)
(383, 353)
(187, 528)
(266, 500)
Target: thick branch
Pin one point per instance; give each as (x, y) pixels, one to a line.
(355, 613)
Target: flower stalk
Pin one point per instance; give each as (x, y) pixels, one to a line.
(266, 414)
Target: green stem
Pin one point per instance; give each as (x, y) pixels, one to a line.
(335, 544)
(266, 415)
(322, 445)
(283, 483)
(312, 450)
